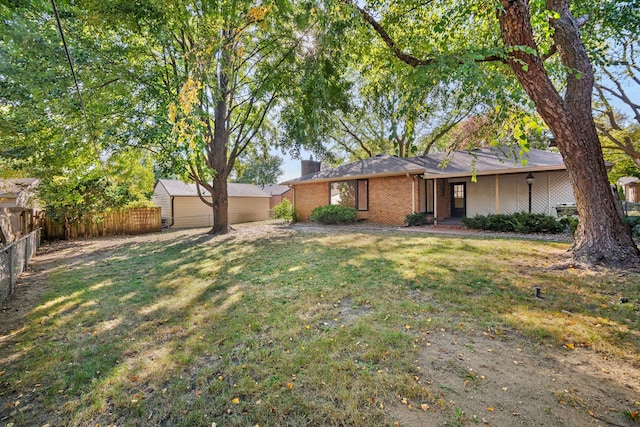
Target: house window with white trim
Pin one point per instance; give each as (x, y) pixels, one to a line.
(353, 193)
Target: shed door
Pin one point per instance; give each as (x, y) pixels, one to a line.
(458, 200)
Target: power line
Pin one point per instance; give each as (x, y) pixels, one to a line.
(77, 85)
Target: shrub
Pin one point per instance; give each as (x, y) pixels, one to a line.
(571, 223)
(520, 222)
(333, 214)
(284, 210)
(416, 219)
(634, 223)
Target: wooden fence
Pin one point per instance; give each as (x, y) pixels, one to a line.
(128, 221)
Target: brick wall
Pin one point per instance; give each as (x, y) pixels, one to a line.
(390, 199)
(309, 196)
(276, 200)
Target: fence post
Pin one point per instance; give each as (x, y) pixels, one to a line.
(27, 252)
(12, 269)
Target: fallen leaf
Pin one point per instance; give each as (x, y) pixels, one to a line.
(424, 407)
(235, 400)
(570, 346)
(404, 401)
(289, 386)
(490, 409)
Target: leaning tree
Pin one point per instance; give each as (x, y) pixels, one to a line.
(538, 41)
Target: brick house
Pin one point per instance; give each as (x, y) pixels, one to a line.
(384, 189)
(278, 193)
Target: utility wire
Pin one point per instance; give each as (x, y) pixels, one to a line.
(77, 85)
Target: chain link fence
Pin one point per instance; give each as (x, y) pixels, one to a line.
(14, 259)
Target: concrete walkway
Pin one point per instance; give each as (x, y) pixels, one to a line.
(427, 229)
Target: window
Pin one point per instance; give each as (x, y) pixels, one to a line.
(354, 193)
(429, 195)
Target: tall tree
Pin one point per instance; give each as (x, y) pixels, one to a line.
(261, 169)
(45, 129)
(618, 121)
(223, 67)
(528, 34)
(191, 81)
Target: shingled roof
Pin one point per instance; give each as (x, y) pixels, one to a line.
(275, 189)
(488, 161)
(378, 166)
(12, 187)
(481, 161)
(178, 188)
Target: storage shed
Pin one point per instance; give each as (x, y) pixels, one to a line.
(182, 208)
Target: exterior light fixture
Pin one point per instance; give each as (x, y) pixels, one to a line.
(530, 180)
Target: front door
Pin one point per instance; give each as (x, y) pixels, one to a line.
(458, 200)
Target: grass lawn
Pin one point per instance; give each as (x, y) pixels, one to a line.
(288, 328)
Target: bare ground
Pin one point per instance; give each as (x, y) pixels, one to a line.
(489, 378)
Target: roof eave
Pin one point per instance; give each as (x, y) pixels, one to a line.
(350, 177)
(508, 171)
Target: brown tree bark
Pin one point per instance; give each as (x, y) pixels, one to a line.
(217, 149)
(602, 237)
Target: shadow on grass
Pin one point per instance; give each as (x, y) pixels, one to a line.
(306, 329)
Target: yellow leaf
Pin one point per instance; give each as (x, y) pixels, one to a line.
(570, 346)
(235, 400)
(289, 386)
(407, 326)
(490, 409)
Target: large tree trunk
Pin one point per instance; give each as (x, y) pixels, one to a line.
(602, 237)
(220, 201)
(217, 149)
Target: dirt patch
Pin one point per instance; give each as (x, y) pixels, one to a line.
(507, 381)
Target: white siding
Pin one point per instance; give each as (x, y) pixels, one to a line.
(248, 209)
(481, 196)
(507, 194)
(191, 212)
(161, 198)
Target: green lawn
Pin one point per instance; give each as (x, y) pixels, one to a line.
(289, 329)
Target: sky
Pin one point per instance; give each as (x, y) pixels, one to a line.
(291, 167)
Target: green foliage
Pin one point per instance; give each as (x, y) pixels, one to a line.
(417, 218)
(263, 170)
(634, 223)
(571, 222)
(69, 199)
(520, 222)
(284, 210)
(333, 214)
